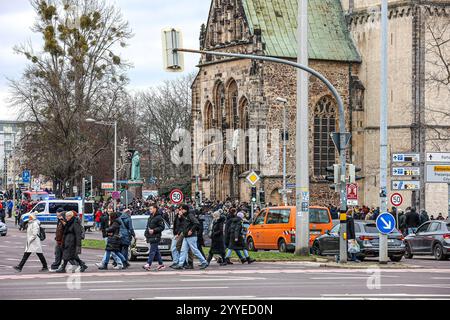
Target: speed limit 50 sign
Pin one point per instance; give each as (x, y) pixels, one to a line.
(396, 199)
(176, 196)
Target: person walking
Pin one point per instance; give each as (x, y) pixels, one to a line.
(126, 232)
(177, 232)
(59, 238)
(352, 244)
(33, 244)
(217, 241)
(236, 239)
(71, 244)
(424, 217)
(229, 233)
(412, 221)
(2, 213)
(113, 245)
(191, 227)
(153, 231)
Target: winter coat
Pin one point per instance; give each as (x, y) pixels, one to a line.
(156, 223)
(33, 242)
(236, 236)
(114, 242)
(59, 233)
(412, 220)
(191, 223)
(126, 229)
(424, 217)
(72, 239)
(200, 239)
(178, 225)
(227, 229)
(217, 243)
(351, 235)
(104, 224)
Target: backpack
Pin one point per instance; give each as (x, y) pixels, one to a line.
(41, 234)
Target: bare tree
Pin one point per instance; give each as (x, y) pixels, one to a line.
(76, 75)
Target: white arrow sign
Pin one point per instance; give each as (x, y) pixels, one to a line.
(386, 224)
(438, 157)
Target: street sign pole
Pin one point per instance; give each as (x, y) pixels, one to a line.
(383, 125)
(83, 196)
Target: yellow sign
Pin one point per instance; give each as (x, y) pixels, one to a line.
(253, 178)
(442, 169)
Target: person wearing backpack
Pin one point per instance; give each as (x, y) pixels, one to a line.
(34, 235)
(126, 232)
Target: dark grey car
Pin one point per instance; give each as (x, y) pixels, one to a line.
(431, 238)
(368, 239)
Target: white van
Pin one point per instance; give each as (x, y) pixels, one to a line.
(46, 212)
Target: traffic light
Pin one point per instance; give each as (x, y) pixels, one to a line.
(335, 170)
(352, 170)
(87, 187)
(253, 194)
(262, 197)
(173, 60)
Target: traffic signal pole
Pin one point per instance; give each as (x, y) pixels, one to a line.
(342, 127)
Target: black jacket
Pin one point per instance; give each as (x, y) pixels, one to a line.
(227, 229)
(72, 239)
(114, 242)
(156, 223)
(351, 235)
(104, 224)
(191, 223)
(236, 236)
(178, 225)
(217, 243)
(412, 220)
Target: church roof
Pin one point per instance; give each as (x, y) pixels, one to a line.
(329, 38)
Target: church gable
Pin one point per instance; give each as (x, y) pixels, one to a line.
(226, 25)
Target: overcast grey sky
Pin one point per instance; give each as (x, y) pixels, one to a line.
(146, 18)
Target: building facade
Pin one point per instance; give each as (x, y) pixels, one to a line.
(9, 135)
(344, 45)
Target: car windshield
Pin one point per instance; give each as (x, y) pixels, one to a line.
(318, 216)
(372, 228)
(139, 224)
(38, 197)
(448, 226)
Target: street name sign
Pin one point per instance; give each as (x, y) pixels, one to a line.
(439, 157)
(253, 178)
(176, 196)
(405, 157)
(396, 199)
(107, 186)
(438, 173)
(385, 223)
(405, 185)
(406, 172)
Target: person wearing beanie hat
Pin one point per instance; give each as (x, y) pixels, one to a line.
(33, 244)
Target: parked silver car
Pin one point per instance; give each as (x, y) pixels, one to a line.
(3, 229)
(140, 247)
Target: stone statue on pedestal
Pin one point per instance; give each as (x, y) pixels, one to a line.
(136, 167)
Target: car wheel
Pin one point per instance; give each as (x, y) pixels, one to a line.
(316, 249)
(438, 252)
(396, 258)
(282, 246)
(408, 253)
(251, 245)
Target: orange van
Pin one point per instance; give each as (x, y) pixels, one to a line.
(274, 228)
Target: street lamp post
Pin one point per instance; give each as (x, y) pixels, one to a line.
(284, 192)
(112, 124)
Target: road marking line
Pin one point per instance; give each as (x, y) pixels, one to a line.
(350, 278)
(200, 298)
(51, 299)
(142, 289)
(222, 279)
(386, 295)
(86, 282)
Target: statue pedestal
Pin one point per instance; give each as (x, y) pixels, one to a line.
(135, 187)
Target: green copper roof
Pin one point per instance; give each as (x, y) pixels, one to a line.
(329, 38)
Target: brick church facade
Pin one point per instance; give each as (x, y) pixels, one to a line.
(230, 94)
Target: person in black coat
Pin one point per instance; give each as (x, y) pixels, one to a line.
(113, 245)
(351, 234)
(230, 216)
(72, 243)
(153, 232)
(233, 239)
(412, 221)
(217, 241)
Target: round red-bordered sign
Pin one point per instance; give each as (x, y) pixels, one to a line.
(176, 196)
(396, 199)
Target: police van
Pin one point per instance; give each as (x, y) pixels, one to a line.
(46, 212)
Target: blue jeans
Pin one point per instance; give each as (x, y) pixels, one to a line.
(116, 255)
(113, 255)
(190, 243)
(154, 252)
(239, 254)
(173, 249)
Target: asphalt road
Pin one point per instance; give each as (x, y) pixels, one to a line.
(430, 280)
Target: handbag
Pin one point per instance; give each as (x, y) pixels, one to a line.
(353, 246)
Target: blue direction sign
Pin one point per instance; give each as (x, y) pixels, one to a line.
(385, 223)
(26, 176)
